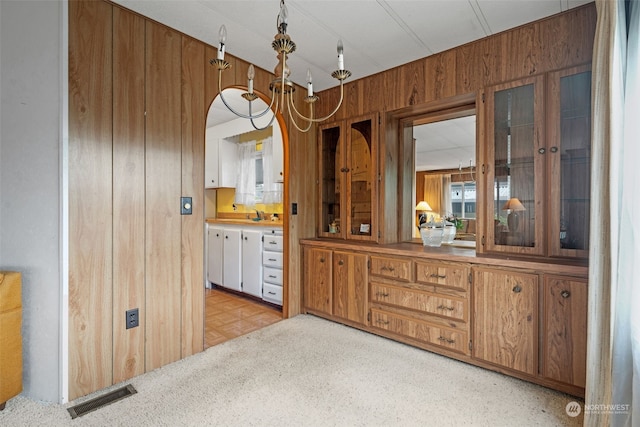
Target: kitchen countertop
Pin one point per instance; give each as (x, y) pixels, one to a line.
(261, 223)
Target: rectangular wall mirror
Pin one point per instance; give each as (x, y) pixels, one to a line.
(445, 173)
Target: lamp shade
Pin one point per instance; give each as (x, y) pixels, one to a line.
(423, 206)
(513, 204)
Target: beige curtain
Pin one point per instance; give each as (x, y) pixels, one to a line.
(433, 193)
(613, 343)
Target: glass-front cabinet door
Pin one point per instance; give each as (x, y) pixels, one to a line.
(569, 159)
(515, 167)
(348, 184)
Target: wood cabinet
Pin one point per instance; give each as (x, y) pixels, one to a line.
(317, 281)
(505, 314)
(336, 284)
(433, 309)
(348, 152)
(537, 165)
(564, 329)
(350, 280)
(569, 161)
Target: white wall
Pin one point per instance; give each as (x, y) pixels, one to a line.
(30, 190)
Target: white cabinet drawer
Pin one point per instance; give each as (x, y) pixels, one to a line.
(272, 275)
(272, 259)
(272, 293)
(273, 243)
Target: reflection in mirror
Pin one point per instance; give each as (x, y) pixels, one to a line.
(445, 175)
(244, 167)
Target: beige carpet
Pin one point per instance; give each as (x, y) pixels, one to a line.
(306, 371)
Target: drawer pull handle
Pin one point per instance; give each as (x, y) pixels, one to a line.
(384, 267)
(438, 276)
(272, 259)
(565, 294)
(447, 340)
(272, 277)
(271, 293)
(383, 322)
(443, 307)
(382, 294)
(517, 289)
(273, 243)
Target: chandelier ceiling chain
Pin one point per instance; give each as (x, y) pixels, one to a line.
(281, 87)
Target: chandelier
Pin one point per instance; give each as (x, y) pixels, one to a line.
(281, 87)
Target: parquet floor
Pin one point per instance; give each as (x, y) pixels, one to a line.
(228, 316)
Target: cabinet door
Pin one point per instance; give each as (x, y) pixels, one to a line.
(515, 167)
(252, 262)
(231, 270)
(565, 330)
(505, 319)
(569, 160)
(211, 171)
(331, 167)
(360, 178)
(317, 280)
(215, 252)
(350, 278)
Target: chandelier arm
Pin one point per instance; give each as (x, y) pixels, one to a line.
(244, 116)
(293, 120)
(311, 119)
(273, 116)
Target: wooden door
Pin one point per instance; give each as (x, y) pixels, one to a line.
(163, 190)
(515, 166)
(505, 319)
(350, 280)
(317, 280)
(564, 342)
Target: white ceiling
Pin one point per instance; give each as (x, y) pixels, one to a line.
(377, 35)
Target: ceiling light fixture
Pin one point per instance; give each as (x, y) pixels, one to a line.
(281, 87)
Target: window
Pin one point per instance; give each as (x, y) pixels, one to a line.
(259, 177)
(463, 199)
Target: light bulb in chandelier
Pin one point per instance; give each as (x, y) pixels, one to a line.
(281, 88)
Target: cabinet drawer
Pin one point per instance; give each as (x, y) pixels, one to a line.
(415, 299)
(394, 268)
(443, 275)
(272, 275)
(273, 243)
(272, 293)
(272, 259)
(420, 331)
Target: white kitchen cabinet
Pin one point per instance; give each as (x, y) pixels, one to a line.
(215, 253)
(277, 167)
(221, 161)
(232, 260)
(272, 261)
(252, 262)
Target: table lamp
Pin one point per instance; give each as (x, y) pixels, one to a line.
(424, 208)
(514, 206)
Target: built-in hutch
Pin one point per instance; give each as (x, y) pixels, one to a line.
(517, 302)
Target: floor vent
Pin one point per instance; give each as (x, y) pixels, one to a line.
(100, 401)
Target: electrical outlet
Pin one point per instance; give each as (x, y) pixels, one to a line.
(132, 318)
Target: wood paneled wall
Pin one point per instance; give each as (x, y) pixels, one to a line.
(139, 95)
(90, 197)
(450, 79)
